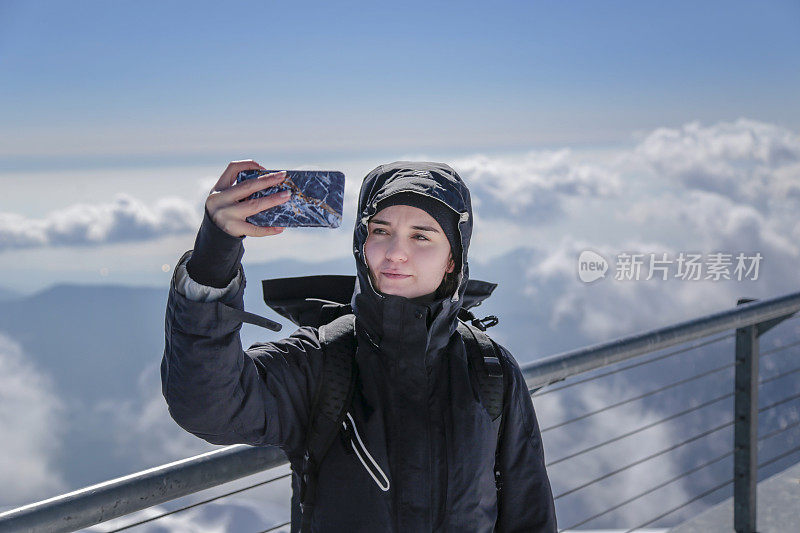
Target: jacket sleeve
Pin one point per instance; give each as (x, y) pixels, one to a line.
(197, 292)
(223, 394)
(525, 501)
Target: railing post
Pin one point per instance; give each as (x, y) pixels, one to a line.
(745, 440)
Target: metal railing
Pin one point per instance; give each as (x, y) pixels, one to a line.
(750, 319)
(743, 390)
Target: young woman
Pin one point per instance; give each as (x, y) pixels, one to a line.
(428, 450)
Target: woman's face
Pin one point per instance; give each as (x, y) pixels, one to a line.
(406, 241)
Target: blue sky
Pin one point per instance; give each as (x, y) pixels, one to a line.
(116, 118)
(134, 81)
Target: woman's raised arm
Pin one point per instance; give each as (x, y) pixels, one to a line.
(213, 388)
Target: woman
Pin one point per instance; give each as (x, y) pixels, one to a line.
(432, 448)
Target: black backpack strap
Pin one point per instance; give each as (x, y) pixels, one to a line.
(484, 360)
(485, 364)
(498, 478)
(331, 402)
(492, 389)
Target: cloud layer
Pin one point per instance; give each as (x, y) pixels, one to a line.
(531, 188)
(672, 178)
(30, 415)
(746, 161)
(727, 188)
(124, 219)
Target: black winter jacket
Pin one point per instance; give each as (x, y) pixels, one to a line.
(416, 410)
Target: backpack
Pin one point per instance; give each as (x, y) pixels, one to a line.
(330, 311)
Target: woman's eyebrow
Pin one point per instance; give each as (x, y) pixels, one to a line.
(421, 228)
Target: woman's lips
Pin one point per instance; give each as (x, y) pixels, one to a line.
(395, 276)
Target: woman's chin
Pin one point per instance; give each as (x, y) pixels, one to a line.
(397, 291)
(397, 287)
(394, 292)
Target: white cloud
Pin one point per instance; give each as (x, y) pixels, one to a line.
(531, 187)
(746, 160)
(714, 221)
(30, 415)
(144, 429)
(651, 218)
(125, 219)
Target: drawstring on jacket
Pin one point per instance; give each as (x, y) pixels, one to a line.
(370, 465)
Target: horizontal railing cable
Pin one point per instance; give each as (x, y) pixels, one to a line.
(199, 503)
(273, 528)
(645, 459)
(645, 395)
(767, 353)
(778, 457)
(779, 402)
(717, 487)
(634, 365)
(778, 431)
(699, 496)
(778, 376)
(653, 489)
(648, 426)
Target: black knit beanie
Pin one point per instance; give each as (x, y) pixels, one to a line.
(444, 215)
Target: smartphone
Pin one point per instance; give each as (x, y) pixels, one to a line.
(317, 199)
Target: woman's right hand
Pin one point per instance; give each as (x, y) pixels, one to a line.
(229, 213)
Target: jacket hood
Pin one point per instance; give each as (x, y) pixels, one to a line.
(437, 181)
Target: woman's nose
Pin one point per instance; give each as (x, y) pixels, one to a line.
(395, 251)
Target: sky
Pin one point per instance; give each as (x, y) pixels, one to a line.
(131, 82)
(150, 100)
(652, 127)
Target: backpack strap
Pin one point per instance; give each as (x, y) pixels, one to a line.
(331, 402)
(485, 364)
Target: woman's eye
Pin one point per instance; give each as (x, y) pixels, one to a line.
(418, 236)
